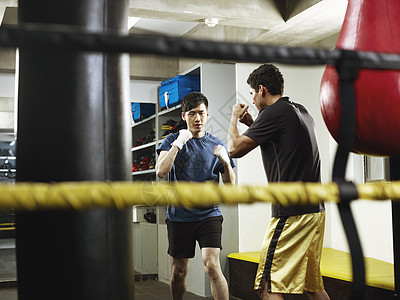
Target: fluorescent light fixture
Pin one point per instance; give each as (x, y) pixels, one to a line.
(211, 22)
(132, 21)
(165, 27)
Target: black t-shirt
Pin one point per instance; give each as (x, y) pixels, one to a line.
(286, 134)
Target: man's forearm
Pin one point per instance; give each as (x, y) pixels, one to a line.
(164, 165)
(233, 132)
(228, 177)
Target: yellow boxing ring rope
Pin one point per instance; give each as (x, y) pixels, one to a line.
(120, 195)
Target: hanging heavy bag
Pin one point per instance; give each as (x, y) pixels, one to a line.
(368, 26)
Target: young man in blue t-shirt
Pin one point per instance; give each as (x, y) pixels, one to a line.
(195, 155)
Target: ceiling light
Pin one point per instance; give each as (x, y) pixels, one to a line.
(211, 22)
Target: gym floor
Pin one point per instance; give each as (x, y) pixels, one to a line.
(144, 290)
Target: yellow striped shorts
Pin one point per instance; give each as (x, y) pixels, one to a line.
(291, 254)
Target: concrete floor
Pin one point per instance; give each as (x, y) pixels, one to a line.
(144, 289)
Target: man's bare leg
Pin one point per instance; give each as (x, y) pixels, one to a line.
(212, 267)
(180, 267)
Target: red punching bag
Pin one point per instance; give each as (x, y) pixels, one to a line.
(368, 26)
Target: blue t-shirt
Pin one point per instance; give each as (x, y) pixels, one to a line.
(194, 162)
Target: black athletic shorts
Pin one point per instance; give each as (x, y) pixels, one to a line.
(182, 236)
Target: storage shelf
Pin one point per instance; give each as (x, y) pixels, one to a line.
(137, 148)
(168, 110)
(143, 172)
(144, 121)
(144, 223)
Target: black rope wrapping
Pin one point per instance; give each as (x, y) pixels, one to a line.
(348, 67)
(66, 37)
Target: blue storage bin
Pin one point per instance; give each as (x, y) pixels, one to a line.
(141, 111)
(172, 91)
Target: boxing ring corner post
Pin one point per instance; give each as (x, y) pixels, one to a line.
(71, 127)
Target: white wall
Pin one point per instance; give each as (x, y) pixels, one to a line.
(145, 91)
(373, 221)
(7, 84)
(373, 218)
(7, 103)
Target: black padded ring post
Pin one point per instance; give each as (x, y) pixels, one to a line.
(73, 125)
(348, 67)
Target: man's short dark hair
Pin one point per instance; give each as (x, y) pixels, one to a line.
(193, 100)
(269, 76)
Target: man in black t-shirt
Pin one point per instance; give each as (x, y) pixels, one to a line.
(291, 251)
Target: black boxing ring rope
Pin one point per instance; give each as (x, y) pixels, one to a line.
(72, 38)
(347, 62)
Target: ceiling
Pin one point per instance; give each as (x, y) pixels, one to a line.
(274, 22)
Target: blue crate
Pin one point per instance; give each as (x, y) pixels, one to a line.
(172, 91)
(141, 111)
